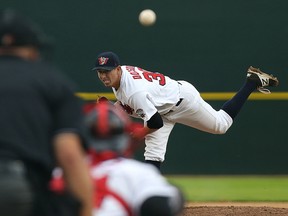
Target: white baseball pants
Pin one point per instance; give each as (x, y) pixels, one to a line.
(193, 111)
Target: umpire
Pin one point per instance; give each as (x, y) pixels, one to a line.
(40, 119)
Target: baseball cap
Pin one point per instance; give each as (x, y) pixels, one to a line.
(106, 61)
(17, 30)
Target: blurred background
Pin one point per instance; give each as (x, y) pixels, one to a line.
(208, 43)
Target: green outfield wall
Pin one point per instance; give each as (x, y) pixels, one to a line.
(208, 43)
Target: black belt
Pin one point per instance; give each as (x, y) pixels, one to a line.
(179, 102)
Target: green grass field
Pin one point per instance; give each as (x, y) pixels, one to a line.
(232, 188)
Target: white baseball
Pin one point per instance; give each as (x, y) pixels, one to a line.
(147, 17)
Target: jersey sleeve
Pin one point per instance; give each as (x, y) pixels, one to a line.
(142, 105)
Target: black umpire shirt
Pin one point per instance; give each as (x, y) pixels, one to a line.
(36, 102)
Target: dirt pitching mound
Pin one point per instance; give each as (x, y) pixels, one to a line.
(252, 209)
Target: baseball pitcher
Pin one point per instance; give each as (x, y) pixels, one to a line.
(162, 102)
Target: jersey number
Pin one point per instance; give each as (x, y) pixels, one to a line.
(150, 76)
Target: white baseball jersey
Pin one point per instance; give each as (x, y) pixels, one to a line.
(146, 92)
(122, 185)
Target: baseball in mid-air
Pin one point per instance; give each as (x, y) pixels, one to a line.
(147, 17)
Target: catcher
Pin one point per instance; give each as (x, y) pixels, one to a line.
(123, 186)
(162, 102)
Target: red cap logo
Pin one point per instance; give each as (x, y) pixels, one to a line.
(102, 60)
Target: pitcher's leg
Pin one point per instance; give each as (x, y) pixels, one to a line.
(200, 115)
(156, 143)
(196, 113)
(256, 79)
(234, 105)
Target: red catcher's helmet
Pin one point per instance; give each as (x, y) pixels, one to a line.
(107, 127)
